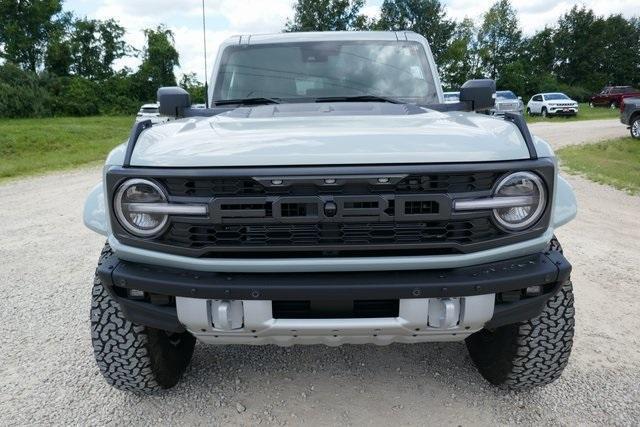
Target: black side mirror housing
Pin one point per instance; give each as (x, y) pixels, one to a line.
(173, 101)
(479, 93)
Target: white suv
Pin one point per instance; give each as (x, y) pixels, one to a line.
(150, 112)
(552, 104)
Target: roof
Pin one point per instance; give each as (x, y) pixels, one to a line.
(322, 36)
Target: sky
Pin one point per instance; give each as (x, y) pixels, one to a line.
(225, 18)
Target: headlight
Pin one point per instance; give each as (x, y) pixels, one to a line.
(129, 205)
(527, 187)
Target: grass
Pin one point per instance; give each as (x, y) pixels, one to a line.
(32, 146)
(615, 162)
(584, 113)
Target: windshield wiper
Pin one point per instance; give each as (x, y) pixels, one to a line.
(247, 101)
(358, 98)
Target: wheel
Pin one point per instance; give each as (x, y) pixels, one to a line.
(530, 353)
(544, 112)
(133, 357)
(635, 127)
(529, 111)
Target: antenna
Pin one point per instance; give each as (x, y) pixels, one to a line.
(206, 75)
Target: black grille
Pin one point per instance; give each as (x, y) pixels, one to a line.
(247, 186)
(314, 236)
(332, 211)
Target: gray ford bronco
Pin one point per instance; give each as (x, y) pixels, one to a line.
(330, 196)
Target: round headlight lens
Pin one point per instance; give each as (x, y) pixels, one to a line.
(521, 184)
(130, 195)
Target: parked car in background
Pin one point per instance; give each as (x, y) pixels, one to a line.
(451, 97)
(507, 102)
(630, 115)
(150, 112)
(552, 104)
(611, 96)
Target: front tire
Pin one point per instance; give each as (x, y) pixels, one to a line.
(634, 129)
(544, 112)
(133, 357)
(531, 353)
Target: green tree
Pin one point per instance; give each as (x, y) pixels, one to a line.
(621, 44)
(460, 60)
(499, 38)
(425, 17)
(191, 84)
(95, 45)
(159, 59)
(25, 27)
(327, 15)
(58, 58)
(580, 48)
(113, 46)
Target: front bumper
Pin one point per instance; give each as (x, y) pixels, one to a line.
(562, 111)
(413, 288)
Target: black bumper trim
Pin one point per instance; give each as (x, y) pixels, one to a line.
(147, 314)
(502, 276)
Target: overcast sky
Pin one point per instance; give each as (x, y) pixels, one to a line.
(228, 17)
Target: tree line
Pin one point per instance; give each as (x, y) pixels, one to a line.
(55, 63)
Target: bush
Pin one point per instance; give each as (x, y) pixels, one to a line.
(21, 94)
(27, 94)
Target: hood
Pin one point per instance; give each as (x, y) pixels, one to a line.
(328, 134)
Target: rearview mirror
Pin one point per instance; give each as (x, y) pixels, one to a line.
(479, 93)
(173, 101)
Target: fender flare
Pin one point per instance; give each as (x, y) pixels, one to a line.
(95, 214)
(565, 205)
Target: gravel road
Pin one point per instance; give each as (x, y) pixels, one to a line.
(582, 132)
(48, 376)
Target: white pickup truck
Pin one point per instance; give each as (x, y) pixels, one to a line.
(330, 196)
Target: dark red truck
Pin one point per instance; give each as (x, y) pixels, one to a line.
(611, 96)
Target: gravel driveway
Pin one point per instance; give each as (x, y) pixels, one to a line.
(581, 132)
(48, 376)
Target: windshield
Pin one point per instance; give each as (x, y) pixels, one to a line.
(555, 96)
(397, 70)
(505, 94)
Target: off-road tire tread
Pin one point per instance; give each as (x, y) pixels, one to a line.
(530, 353)
(133, 357)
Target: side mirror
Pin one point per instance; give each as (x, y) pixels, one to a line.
(173, 101)
(479, 93)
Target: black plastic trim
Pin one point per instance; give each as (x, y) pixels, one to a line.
(502, 276)
(331, 170)
(518, 120)
(137, 129)
(519, 311)
(140, 312)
